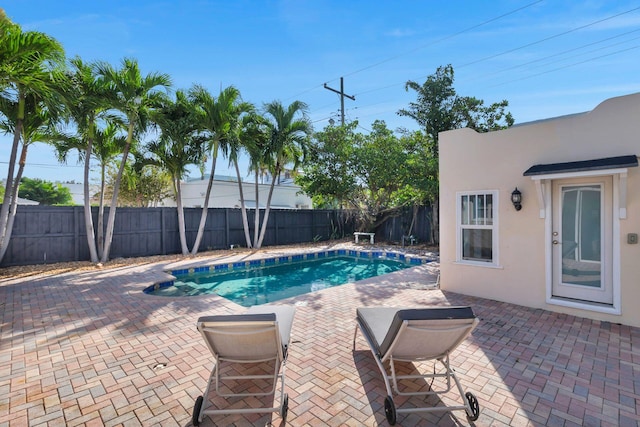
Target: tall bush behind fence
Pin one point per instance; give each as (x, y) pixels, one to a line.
(49, 234)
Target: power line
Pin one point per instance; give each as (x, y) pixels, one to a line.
(44, 165)
(473, 27)
(513, 49)
(569, 51)
(564, 33)
(532, 75)
(543, 72)
(566, 66)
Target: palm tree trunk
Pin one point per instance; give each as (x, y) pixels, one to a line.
(266, 215)
(205, 206)
(256, 220)
(88, 220)
(243, 208)
(11, 185)
(13, 202)
(114, 199)
(100, 233)
(181, 225)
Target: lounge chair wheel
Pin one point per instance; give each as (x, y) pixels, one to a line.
(473, 403)
(390, 410)
(196, 411)
(284, 409)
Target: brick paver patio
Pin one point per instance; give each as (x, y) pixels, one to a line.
(89, 348)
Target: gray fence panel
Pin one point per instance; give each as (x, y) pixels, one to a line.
(47, 234)
(55, 231)
(394, 228)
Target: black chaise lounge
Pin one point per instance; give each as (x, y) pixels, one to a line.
(261, 334)
(413, 335)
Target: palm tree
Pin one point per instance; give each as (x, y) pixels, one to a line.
(252, 137)
(37, 126)
(133, 95)
(218, 118)
(179, 146)
(88, 101)
(29, 62)
(108, 143)
(287, 144)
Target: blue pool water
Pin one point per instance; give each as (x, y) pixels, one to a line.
(260, 284)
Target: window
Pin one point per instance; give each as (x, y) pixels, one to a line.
(477, 227)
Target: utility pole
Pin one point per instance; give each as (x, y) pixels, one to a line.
(342, 95)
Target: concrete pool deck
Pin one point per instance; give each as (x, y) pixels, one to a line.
(89, 348)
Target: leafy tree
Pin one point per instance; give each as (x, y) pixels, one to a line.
(439, 108)
(133, 95)
(418, 174)
(141, 186)
(328, 175)
(219, 119)
(374, 175)
(45, 192)
(29, 66)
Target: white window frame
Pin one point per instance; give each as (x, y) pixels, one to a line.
(493, 227)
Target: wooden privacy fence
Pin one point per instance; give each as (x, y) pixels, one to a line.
(48, 234)
(395, 227)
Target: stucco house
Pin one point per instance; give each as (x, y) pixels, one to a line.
(225, 194)
(571, 244)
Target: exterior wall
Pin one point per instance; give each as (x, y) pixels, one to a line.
(470, 161)
(225, 194)
(77, 191)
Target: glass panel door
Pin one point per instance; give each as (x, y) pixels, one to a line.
(581, 235)
(582, 227)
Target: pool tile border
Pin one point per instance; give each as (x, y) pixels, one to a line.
(410, 259)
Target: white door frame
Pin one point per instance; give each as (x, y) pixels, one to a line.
(603, 294)
(543, 187)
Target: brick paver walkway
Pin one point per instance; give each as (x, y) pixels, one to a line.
(89, 348)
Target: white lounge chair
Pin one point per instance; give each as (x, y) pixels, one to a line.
(261, 334)
(413, 335)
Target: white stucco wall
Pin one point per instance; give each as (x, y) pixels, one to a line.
(77, 191)
(470, 161)
(225, 194)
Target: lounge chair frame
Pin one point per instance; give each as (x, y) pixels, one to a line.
(261, 331)
(392, 379)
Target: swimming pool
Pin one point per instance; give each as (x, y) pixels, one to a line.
(261, 281)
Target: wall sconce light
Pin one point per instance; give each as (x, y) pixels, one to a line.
(516, 199)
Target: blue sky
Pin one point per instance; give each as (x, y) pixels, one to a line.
(547, 58)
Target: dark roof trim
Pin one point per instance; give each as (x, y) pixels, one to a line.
(584, 165)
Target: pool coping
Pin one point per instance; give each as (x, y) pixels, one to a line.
(413, 260)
